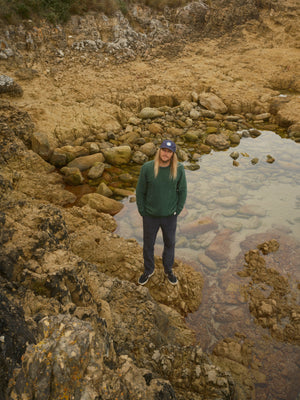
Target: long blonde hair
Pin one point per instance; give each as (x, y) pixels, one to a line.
(173, 165)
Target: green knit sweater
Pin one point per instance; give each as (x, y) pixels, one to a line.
(161, 196)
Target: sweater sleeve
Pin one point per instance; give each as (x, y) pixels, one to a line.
(141, 191)
(181, 190)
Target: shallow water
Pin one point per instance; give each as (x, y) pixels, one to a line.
(246, 199)
(251, 203)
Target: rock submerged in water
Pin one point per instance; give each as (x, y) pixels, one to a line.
(270, 159)
(199, 226)
(278, 311)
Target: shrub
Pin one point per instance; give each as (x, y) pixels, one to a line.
(60, 10)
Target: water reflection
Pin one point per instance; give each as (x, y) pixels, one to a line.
(229, 210)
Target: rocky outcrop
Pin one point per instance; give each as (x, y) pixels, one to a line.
(82, 320)
(276, 309)
(82, 324)
(15, 335)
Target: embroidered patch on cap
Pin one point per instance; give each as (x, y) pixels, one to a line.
(168, 144)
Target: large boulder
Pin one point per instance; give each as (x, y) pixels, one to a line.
(212, 102)
(118, 155)
(101, 203)
(218, 141)
(149, 149)
(86, 162)
(289, 112)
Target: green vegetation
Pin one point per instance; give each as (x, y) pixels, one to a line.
(57, 11)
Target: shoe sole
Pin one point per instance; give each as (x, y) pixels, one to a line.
(144, 283)
(172, 283)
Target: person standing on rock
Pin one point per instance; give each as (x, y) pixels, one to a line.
(160, 195)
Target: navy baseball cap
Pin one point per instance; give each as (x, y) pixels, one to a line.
(168, 144)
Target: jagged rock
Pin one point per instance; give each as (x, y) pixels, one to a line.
(193, 13)
(64, 155)
(40, 144)
(46, 252)
(14, 337)
(268, 247)
(277, 311)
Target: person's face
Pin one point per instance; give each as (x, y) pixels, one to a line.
(165, 155)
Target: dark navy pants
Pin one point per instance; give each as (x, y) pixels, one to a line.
(151, 226)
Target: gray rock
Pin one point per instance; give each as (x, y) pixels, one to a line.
(10, 87)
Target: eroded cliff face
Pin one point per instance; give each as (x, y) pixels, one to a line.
(68, 283)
